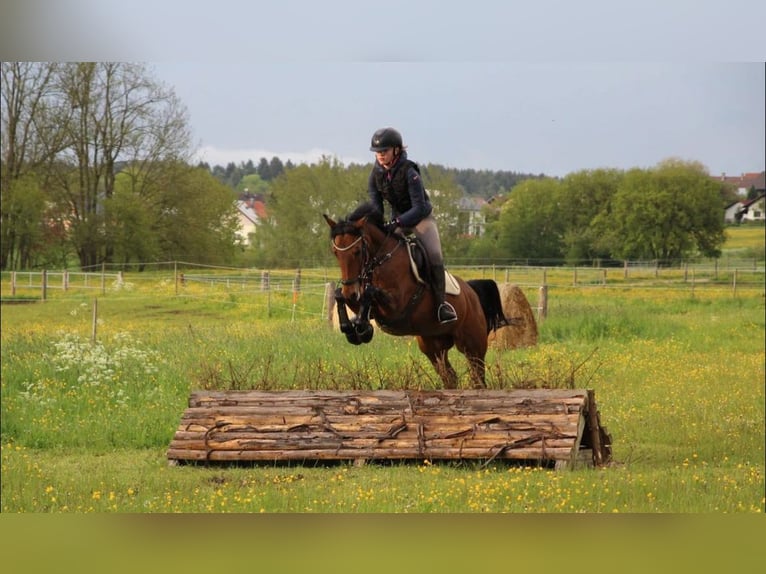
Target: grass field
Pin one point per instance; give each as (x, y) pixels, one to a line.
(89, 407)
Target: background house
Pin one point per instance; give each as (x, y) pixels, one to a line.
(250, 210)
(746, 183)
(470, 216)
(746, 210)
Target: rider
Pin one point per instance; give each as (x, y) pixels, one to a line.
(397, 180)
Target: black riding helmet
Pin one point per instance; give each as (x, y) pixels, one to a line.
(385, 138)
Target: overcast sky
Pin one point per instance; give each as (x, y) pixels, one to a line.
(548, 87)
(551, 118)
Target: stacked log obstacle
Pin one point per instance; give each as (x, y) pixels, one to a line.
(545, 426)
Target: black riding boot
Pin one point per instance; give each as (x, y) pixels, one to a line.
(445, 312)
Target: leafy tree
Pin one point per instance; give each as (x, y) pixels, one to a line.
(585, 195)
(24, 211)
(295, 233)
(196, 219)
(253, 184)
(28, 145)
(132, 220)
(670, 212)
(530, 224)
(107, 115)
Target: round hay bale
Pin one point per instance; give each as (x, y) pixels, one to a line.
(523, 330)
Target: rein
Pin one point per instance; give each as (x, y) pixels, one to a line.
(369, 291)
(368, 263)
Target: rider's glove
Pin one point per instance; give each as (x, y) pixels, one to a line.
(389, 226)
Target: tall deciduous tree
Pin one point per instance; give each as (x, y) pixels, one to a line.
(295, 232)
(531, 222)
(119, 116)
(27, 144)
(585, 195)
(669, 212)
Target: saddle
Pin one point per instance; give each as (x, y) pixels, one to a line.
(420, 266)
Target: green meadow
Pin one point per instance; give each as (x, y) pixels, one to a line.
(95, 382)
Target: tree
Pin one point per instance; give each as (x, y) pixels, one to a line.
(27, 144)
(585, 195)
(669, 212)
(253, 184)
(295, 234)
(530, 224)
(197, 219)
(113, 114)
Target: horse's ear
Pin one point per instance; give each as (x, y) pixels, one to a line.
(361, 222)
(329, 221)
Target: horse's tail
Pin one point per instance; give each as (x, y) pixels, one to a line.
(489, 297)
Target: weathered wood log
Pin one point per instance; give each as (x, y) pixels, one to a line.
(542, 425)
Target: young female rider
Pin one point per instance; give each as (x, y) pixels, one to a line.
(397, 180)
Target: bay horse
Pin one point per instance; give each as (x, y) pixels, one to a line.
(378, 282)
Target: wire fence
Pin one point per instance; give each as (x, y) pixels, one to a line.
(307, 293)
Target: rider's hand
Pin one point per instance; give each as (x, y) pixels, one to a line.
(389, 226)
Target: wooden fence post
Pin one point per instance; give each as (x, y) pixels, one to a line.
(329, 301)
(44, 278)
(95, 322)
(625, 270)
(297, 281)
(734, 282)
(693, 283)
(542, 308)
(13, 283)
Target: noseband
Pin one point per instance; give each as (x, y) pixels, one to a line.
(368, 263)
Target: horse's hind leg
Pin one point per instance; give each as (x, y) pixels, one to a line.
(436, 348)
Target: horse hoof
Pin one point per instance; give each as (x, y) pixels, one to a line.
(365, 335)
(353, 338)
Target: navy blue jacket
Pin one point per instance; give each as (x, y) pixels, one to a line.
(402, 187)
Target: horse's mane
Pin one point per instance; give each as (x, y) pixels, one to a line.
(365, 210)
(368, 210)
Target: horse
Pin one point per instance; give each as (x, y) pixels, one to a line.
(378, 282)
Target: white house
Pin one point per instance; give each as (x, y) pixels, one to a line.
(746, 210)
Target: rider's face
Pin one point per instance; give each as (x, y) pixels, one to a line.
(385, 157)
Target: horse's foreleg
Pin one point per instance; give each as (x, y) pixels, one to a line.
(345, 323)
(477, 369)
(446, 371)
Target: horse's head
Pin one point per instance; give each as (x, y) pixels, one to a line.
(353, 240)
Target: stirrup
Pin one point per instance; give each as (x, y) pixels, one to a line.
(446, 313)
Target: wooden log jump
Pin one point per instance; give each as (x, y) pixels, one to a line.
(545, 426)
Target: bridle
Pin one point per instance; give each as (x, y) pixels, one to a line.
(359, 330)
(369, 264)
